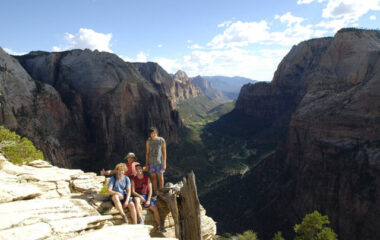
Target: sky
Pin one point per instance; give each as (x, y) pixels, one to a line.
(245, 38)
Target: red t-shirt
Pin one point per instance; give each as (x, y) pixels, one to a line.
(131, 169)
(141, 185)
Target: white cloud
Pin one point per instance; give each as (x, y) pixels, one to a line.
(333, 25)
(11, 52)
(225, 24)
(299, 2)
(372, 17)
(289, 19)
(240, 34)
(170, 65)
(141, 57)
(196, 46)
(349, 10)
(160, 45)
(258, 65)
(86, 38)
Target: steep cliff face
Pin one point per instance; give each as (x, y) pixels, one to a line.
(35, 109)
(329, 157)
(176, 87)
(102, 107)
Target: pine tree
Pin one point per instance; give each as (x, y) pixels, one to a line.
(314, 227)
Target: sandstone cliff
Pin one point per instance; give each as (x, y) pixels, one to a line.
(84, 109)
(41, 201)
(176, 87)
(325, 95)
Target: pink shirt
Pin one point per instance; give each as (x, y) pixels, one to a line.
(131, 169)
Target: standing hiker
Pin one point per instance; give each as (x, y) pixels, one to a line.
(155, 158)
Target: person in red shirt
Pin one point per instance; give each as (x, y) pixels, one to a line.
(131, 165)
(142, 192)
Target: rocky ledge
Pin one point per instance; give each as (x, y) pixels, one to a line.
(41, 201)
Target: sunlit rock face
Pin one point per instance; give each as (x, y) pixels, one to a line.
(177, 87)
(84, 109)
(42, 201)
(326, 94)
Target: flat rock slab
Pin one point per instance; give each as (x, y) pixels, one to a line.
(77, 224)
(30, 232)
(42, 210)
(125, 232)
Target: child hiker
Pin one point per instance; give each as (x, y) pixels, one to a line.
(131, 160)
(119, 188)
(142, 192)
(155, 158)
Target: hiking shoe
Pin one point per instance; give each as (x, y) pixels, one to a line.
(140, 221)
(161, 229)
(125, 219)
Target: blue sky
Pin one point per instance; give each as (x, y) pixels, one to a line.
(202, 37)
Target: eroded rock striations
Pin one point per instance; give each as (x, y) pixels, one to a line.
(176, 87)
(41, 201)
(83, 109)
(326, 93)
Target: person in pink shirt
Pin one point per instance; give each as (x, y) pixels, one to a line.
(131, 165)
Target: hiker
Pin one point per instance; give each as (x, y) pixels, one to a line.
(142, 192)
(155, 158)
(119, 188)
(131, 160)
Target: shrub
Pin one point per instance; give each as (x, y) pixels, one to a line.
(18, 150)
(278, 236)
(247, 235)
(103, 191)
(314, 227)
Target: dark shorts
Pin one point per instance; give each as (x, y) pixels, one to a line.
(152, 202)
(122, 201)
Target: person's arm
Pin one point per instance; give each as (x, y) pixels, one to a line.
(149, 193)
(128, 189)
(147, 156)
(106, 172)
(163, 146)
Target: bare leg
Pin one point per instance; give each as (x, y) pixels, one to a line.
(132, 210)
(155, 214)
(116, 200)
(138, 207)
(154, 182)
(161, 180)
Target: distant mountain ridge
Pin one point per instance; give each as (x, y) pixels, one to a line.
(229, 86)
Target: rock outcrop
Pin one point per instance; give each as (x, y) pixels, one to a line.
(325, 94)
(83, 109)
(176, 87)
(41, 201)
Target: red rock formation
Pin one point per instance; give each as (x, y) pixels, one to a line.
(326, 93)
(90, 108)
(176, 87)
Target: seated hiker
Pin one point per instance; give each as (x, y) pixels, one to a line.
(131, 160)
(142, 192)
(119, 187)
